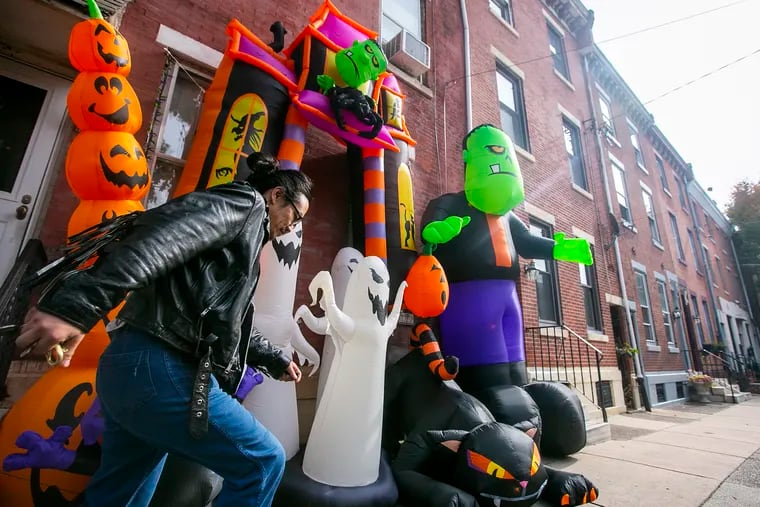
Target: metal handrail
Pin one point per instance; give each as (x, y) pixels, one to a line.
(556, 353)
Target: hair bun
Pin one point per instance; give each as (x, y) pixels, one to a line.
(262, 164)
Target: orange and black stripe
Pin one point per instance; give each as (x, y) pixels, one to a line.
(422, 337)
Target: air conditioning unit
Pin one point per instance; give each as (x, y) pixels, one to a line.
(408, 53)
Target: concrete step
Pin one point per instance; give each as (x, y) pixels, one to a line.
(598, 433)
(738, 397)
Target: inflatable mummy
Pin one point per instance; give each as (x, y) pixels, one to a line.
(344, 445)
(273, 402)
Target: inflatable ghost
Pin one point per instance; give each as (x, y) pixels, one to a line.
(343, 265)
(273, 402)
(344, 445)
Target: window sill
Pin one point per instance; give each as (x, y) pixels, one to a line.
(549, 330)
(614, 140)
(683, 262)
(644, 169)
(408, 79)
(585, 193)
(658, 245)
(673, 350)
(651, 347)
(667, 192)
(505, 23)
(525, 154)
(595, 335)
(565, 80)
(630, 226)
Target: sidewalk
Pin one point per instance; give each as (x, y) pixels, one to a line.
(680, 456)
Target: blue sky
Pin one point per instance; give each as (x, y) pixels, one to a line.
(714, 123)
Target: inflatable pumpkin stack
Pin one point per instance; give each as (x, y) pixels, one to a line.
(46, 439)
(105, 166)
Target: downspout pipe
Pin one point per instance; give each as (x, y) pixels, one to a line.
(467, 71)
(637, 361)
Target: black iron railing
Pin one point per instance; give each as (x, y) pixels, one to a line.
(736, 369)
(559, 354)
(15, 301)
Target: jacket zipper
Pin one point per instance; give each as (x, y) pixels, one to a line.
(223, 292)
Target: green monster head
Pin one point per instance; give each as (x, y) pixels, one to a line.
(361, 62)
(493, 182)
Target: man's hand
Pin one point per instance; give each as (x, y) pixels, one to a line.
(292, 373)
(41, 332)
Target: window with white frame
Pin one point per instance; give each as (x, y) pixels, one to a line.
(646, 312)
(665, 308)
(177, 117)
(547, 293)
(676, 306)
(572, 136)
(693, 248)
(621, 191)
(676, 237)
(651, 216)
(590, 296)
(605, 108)
(557, 50)
(661, 170)
(503, 9)
(635, 143)
(719, 269)
(708, 319)
(681, 190)
(697, 320)
(511, 106)
(401, 15)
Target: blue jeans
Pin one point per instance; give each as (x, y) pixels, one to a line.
(144, 388)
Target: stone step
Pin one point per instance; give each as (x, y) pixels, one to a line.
(598, 433)
(738, 397)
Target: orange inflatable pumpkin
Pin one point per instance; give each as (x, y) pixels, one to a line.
(428, 291)
(94, 44)
(91, 212)
(107, 165)
(104, 101)
(60, 397)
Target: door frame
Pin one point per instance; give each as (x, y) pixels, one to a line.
(53, 114)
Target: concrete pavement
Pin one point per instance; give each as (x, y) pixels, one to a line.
(681, 456)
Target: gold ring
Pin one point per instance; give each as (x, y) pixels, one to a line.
(54, 356)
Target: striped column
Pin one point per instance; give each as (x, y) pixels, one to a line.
(374, 203)
(291, 150)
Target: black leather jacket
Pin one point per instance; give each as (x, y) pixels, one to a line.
(190, 268)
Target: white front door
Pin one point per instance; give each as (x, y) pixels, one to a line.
(32, 110)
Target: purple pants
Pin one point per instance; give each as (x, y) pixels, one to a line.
(482, 323)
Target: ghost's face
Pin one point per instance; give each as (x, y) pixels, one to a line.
(368, 290)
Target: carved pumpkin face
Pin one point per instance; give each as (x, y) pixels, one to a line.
(104, 101)
(428, 292)
(107, 165)
(91, 212)
(94, 44)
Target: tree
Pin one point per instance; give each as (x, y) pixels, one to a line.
(744, 213)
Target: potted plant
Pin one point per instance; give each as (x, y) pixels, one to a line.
(699, 386)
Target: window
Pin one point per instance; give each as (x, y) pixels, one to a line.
(606, 110)
(665, 308)
(651, 217)
(676, 237)
(679, 390)
(557, 50)
(574, 153)
(401, 14)
(547, 294)
(635, 144)
(590, 296)
(511, 106)
(661, 170)
(646, 313)
(706, 313)
(179, 113)
(660, 390)
(503, 9)
(708, 265)
(676, 306)
(618, 176)
(693, 247)
(681, 191)
(719, 269)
